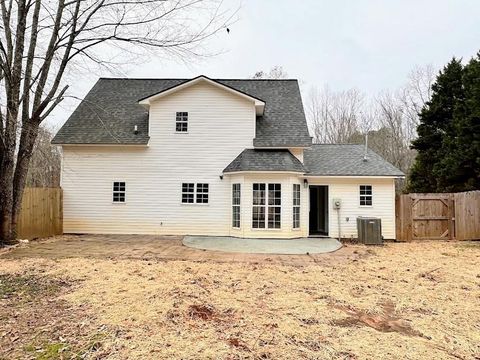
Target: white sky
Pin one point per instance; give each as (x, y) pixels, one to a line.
(367, 44)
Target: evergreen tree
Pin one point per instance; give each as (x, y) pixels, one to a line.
(436, 121)
(459, 170)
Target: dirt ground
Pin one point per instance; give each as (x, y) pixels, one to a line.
(398, 301)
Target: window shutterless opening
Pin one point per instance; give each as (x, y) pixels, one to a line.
(188, 193)
(296, 206)
(236, 195)
(366, 195)
(192, 194)
(119, 190)
(267, 206)
(181, 122)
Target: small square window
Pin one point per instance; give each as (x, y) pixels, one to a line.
(181, 122)
(366, 195)
(119, 191)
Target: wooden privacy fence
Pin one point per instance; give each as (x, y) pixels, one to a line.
(467, 215)
(438, 216)
(41, 214)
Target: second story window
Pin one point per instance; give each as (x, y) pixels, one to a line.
(181, 122)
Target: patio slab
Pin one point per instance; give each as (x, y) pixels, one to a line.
(165, 248)
(298, 246)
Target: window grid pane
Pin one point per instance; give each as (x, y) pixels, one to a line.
(259, 194)
(236, 205)
(296, 217)
(296, 206)
(236, 216)
(236, 194)
(258, 217)
(118, 191)
(366, 195)
(266, 209)
(202, 193)
(181, 122)
(188, 192)
(274, 217)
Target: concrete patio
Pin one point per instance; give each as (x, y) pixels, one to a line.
(263, 246)
(162, 248)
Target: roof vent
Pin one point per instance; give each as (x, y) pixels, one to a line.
(366, 147)
(135, 129)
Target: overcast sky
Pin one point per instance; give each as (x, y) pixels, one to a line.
(367, 44)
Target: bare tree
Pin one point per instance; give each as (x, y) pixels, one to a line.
(41, 41)
(334, 116)
(398, 114)
(390, 119)
(415, 94)
(45, 164)
(276, 72)
(395, 146)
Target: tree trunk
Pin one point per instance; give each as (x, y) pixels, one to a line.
(6, 194)
(27, 143)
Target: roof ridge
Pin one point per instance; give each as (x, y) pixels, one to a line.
(350, 144)
(218, 79)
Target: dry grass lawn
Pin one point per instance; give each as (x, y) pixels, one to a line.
(402, 301)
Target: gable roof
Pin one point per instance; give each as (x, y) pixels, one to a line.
(265, 160)
(259, 104)
(346, 160)
(109, 112)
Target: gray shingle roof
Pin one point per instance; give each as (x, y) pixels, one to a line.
(323, 159)
(110, 110)
(265, 160)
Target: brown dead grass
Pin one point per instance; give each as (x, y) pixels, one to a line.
(416, 301)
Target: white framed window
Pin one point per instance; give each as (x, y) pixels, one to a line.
(119, 190)
(258, 208)
(195, 193)
(181, 122)
(296, 206)
(188, 193)
(236, 196)
(267, 206)
(202, 193)
(366, 195)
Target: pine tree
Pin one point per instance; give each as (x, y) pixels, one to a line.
(436, 120)
(459, 170)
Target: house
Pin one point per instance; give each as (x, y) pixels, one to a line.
(213, 157)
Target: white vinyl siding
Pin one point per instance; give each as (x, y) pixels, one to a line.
(220, 126)
(347, 190)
